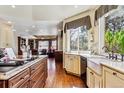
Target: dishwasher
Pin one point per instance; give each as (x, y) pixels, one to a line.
(83, 68)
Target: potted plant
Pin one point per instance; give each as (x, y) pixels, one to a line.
(109, 40)
(121, 43)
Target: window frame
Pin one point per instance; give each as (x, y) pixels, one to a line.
(78, 50)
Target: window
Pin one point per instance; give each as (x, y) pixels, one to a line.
(78, 39)
(74, 39)
(43, 45)
(111, 32)
(54, 44)
(114, 31)
(83, 38)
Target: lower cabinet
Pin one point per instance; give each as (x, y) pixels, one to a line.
(26, 84)
(17, 80)
(93, 79)
(37, 78)
(72, 64)
(112, 78)
(32, 77)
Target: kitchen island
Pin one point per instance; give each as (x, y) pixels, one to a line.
(32, 74)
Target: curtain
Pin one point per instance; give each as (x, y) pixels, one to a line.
(85, 21)
(103, 9)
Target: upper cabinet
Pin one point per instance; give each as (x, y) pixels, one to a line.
(6, 35)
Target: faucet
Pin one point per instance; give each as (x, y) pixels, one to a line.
(110, 55)
(107, 51)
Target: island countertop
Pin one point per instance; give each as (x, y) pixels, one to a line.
(4, 75)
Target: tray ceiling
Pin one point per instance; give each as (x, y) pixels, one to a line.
(44, 17)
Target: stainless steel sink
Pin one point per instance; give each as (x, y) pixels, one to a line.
(5, 69)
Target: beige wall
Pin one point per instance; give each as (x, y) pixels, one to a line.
(60, 41)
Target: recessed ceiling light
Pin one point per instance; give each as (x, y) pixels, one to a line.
(76, 6)
(33, 26)
(9, 22)
(13, 30)
(26, 30)
(13, 6)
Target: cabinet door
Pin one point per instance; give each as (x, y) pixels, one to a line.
(19, 79)
(6, 35)
(97, 81)
(90, 78)
(2, 37)
(76, 65)
(112, 78)
(66, 61)
(93, 79)
(70, 64)
(25, 85)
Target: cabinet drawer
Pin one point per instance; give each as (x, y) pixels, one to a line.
(41, 82)
(114, 73)
(25, 84)
(36, 67)
(36, 79)
(112, 78)
(19, 79)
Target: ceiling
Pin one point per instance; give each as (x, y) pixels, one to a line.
(39, 19)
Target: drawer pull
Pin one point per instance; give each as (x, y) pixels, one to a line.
(91, 73)
(22, 78)
(34, 81)
(33, 69)
(114, 73)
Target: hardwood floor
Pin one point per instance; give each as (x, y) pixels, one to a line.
(57, 77)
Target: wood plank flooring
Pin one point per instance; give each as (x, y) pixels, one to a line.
(57, 77)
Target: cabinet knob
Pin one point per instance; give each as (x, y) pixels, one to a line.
(91, 73)
(114, 73)
(33, 68)
(21, 78)
(34, 81)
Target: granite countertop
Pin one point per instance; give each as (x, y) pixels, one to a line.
(87, 55)
(116, 65)
(11, 71)
(119, 66)
(103, 61)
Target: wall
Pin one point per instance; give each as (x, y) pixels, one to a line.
(60, 41)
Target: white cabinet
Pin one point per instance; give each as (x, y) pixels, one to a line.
(76, 65)
(93, 79)
(6, 35)
(72, 64)
(112, 78)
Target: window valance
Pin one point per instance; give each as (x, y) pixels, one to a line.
(103, 9)
(85, 21)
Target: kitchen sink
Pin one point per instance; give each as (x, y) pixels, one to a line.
(94, 64)
(5, 69)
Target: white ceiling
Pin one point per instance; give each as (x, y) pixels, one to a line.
(44, 17)
(56, 12)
